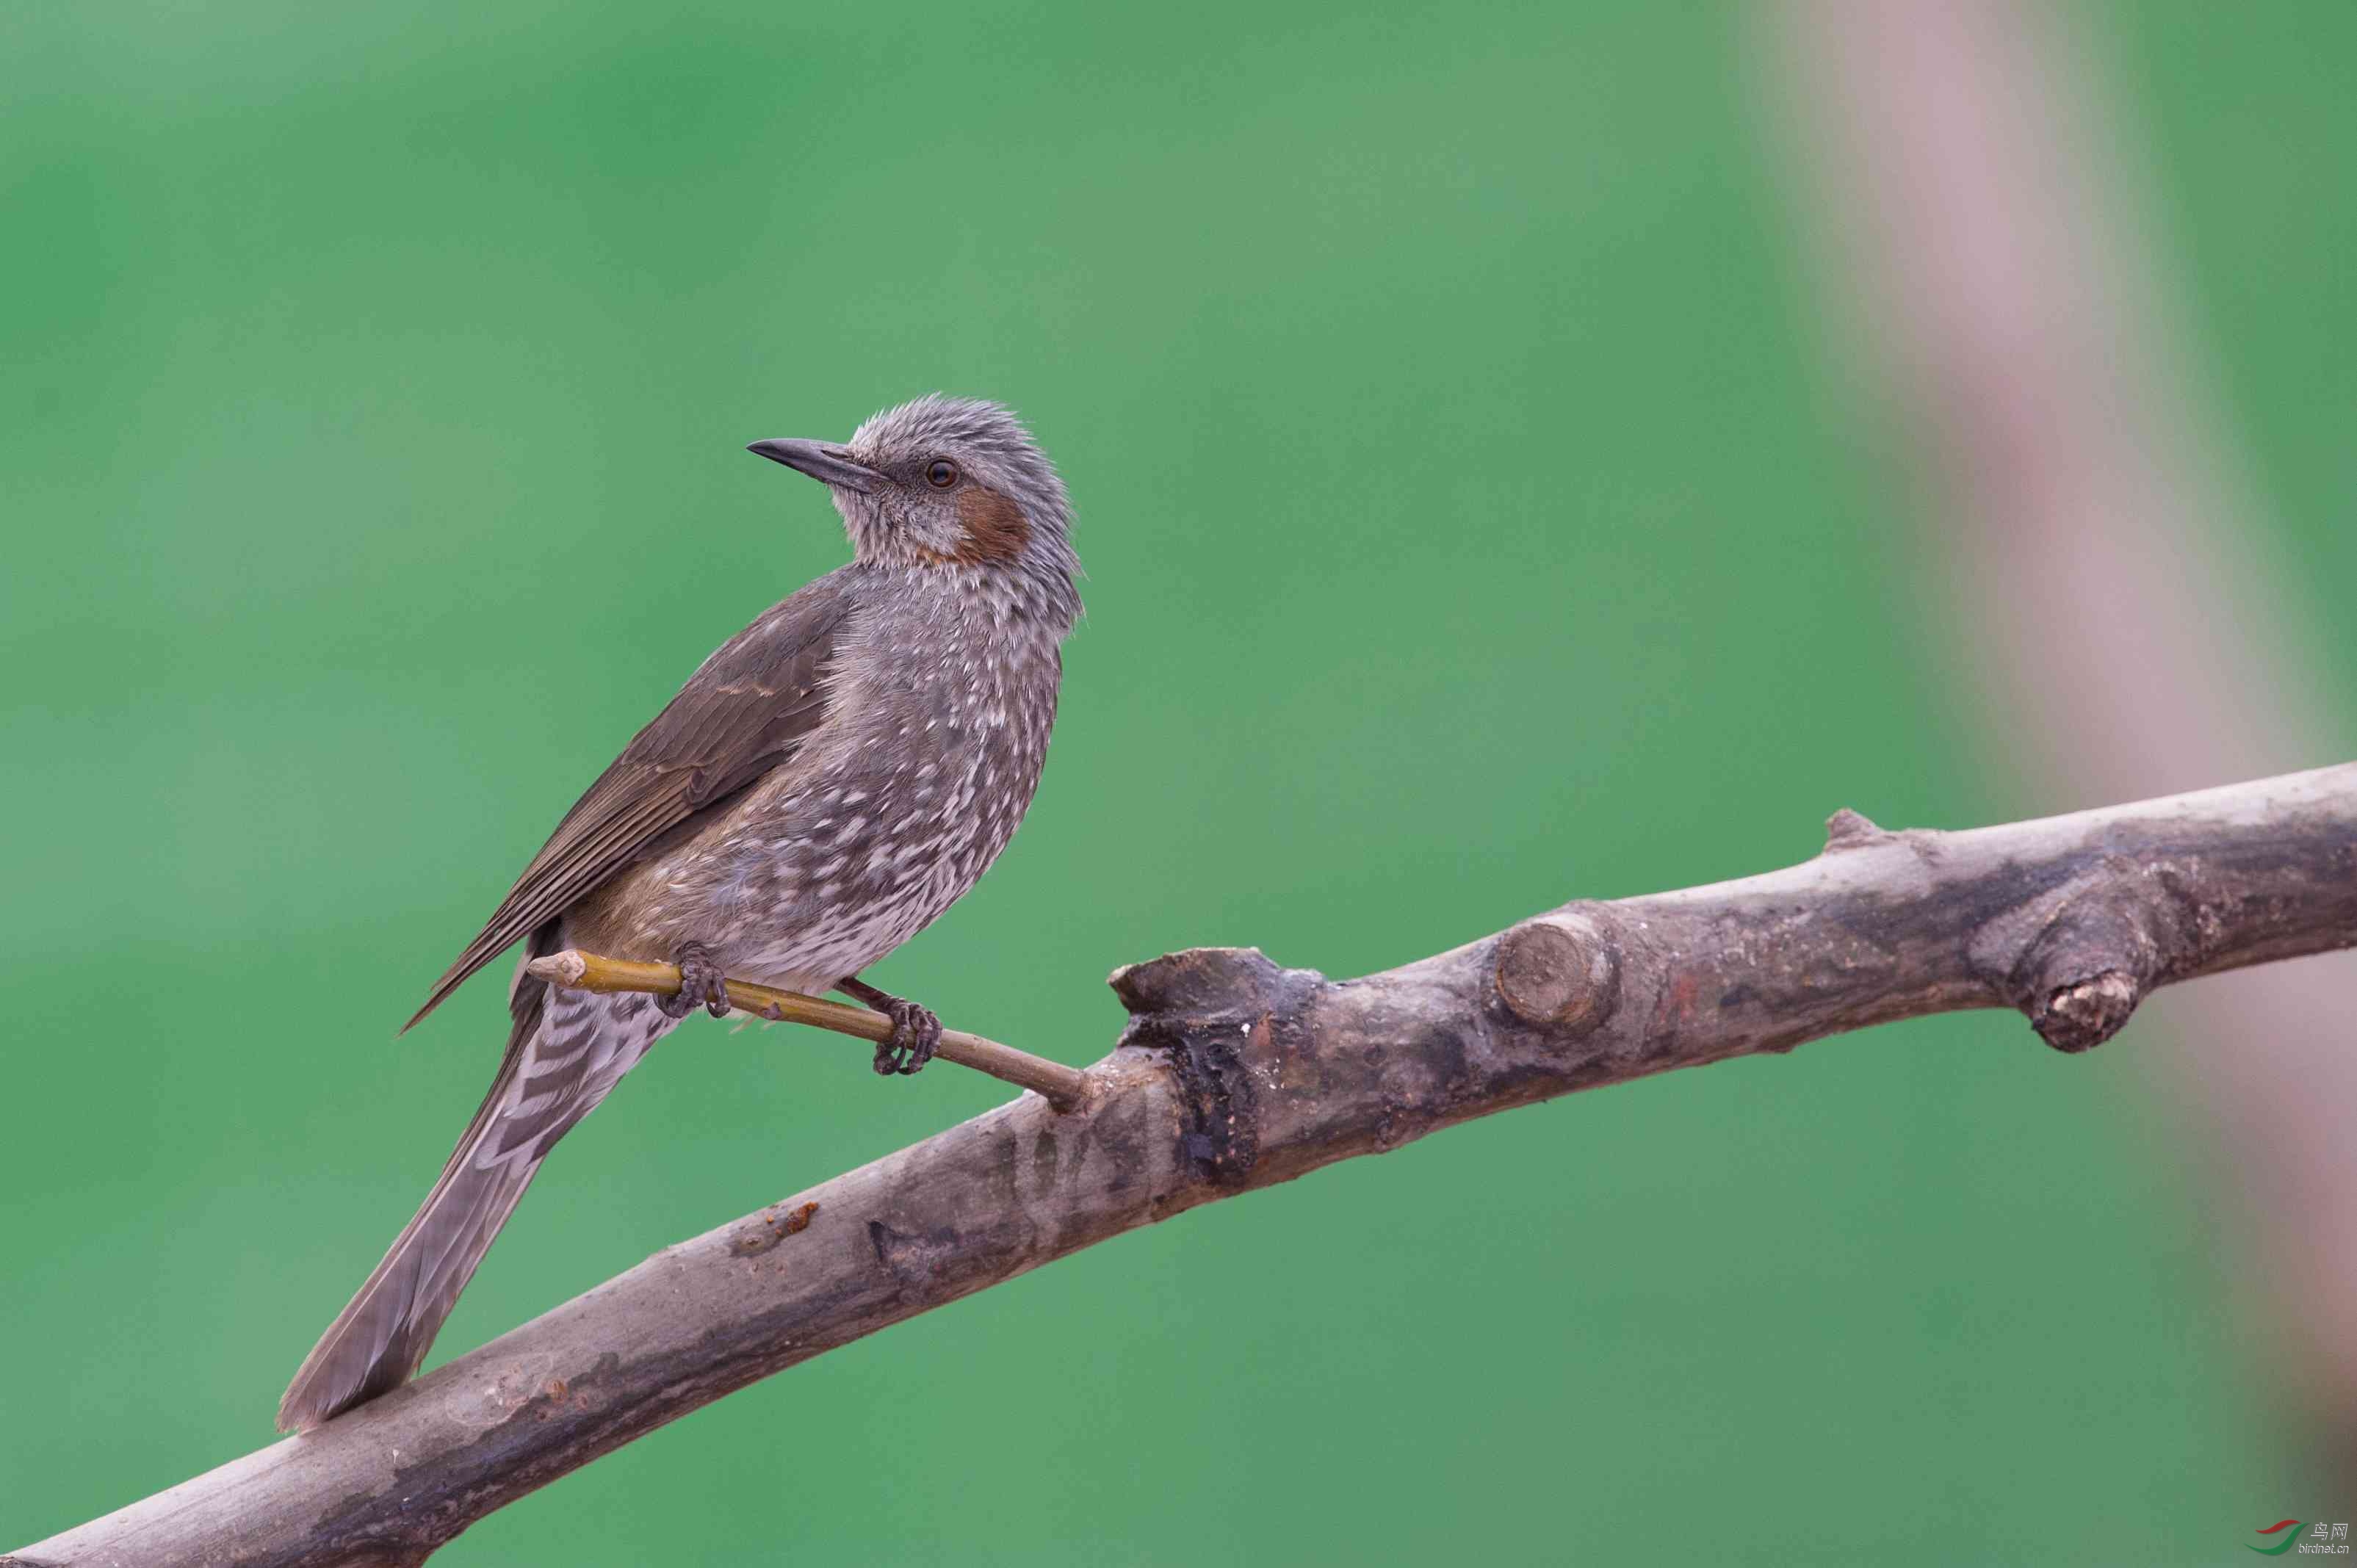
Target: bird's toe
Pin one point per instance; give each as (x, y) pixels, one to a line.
(916, 1034)
(701, 984)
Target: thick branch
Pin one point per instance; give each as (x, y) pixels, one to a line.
(1235, 1074)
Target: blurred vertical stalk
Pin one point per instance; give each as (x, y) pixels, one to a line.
(2111, 589)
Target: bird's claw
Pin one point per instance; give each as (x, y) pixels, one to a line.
(916, 1034)
(701, 984)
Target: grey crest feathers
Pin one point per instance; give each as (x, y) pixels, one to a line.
(914, 524)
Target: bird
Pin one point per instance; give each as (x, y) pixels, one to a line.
(828, 782)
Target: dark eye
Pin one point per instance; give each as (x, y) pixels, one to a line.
(942, 474)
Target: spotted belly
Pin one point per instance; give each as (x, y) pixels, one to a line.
(810, 880)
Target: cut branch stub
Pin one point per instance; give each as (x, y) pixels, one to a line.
(1557, 972)
(2077, 958)
(1846, 829)
(2082, 977)
(1216, 1011)
(2083, 1016)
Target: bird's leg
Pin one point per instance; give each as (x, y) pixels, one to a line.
(701, 984)
(915, 1030)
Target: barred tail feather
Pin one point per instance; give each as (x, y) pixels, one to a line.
(568, 1052)
(378, 1341)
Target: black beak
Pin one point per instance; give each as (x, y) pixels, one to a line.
(827, 465)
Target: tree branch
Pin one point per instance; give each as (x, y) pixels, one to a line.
(1235, 1074)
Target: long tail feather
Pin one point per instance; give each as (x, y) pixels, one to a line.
(568, 1053)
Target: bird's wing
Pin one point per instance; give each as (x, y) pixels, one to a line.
(746, 711)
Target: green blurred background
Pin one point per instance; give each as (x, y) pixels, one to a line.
(1473, 523)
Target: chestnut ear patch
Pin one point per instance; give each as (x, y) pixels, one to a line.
(996, 528)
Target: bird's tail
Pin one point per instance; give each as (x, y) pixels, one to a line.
(568, 1052)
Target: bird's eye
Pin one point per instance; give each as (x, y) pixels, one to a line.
(942, 474)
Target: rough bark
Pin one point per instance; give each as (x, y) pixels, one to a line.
(1236, 1073)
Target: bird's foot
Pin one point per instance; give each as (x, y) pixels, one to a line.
(916, 1034)
(701, 984)
(916, 1030)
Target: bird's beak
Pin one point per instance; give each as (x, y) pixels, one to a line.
(827, 465)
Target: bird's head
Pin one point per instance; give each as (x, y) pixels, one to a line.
(951, 484)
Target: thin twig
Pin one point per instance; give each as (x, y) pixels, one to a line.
(1062, 1086)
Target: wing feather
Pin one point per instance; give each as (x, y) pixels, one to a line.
(746, 711)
